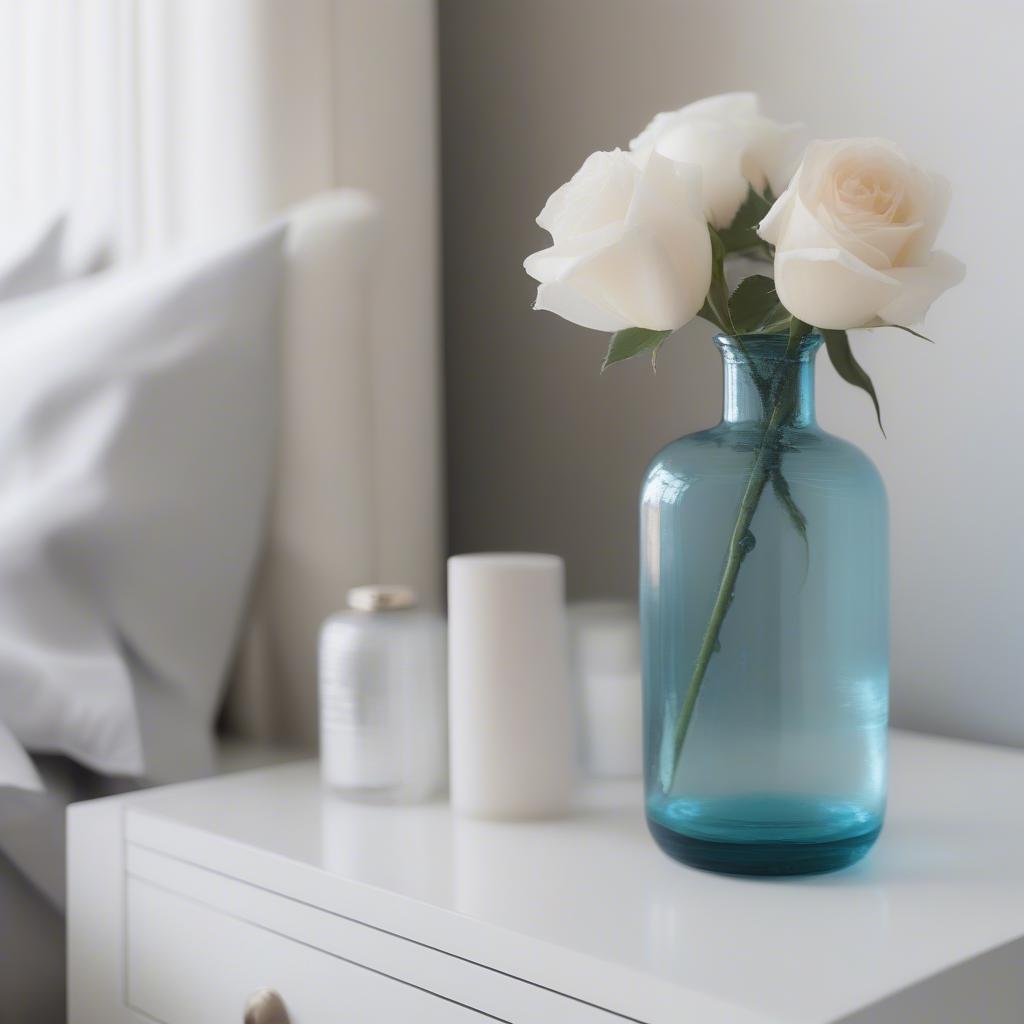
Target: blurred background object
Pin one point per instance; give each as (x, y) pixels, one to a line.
(384, 698)
(605, 652)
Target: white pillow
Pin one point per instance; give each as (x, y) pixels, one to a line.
(137, 427)
(31, 257)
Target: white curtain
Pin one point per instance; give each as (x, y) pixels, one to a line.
(164, 120)
(157, 123)
(142, 118)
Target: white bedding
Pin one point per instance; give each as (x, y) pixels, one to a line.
(137, 430)
(32, 263)
(359, 482)
(325, 535)
(32, 259)
(136, 446)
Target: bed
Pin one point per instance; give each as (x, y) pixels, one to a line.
(325, 533)
(157, 126)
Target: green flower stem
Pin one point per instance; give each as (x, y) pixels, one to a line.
(740, 543)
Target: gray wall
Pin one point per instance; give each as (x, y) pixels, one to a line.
(545, 453)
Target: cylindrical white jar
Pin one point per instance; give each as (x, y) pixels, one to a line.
(511, 736)
(383, 719)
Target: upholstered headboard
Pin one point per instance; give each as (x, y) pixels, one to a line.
(348, 431)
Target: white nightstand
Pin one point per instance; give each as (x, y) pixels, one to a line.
(185, 900)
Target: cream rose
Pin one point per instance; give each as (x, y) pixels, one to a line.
(732, 143)
(630, 245)
(853, 237)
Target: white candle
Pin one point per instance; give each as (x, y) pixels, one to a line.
(509, 693)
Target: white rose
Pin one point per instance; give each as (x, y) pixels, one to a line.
(853, 237)
(630, 245)
(732, 143)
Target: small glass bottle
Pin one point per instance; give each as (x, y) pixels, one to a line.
(383, 697)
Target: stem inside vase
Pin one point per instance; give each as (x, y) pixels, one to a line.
(767, 461)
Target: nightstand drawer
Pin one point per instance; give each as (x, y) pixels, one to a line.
(188, 964)
(199, 944)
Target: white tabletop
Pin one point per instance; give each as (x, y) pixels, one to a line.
(944, 884)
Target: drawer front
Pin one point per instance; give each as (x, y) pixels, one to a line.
(188, 964)
(200, 943)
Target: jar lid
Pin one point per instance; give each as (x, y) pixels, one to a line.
(381, 597)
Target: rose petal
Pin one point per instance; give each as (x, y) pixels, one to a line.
(598, 194)
(688, 250)
(569, 304)
(725, 104)
(920, 287)
(775, 154)
(717, 149)
(559, 292)
(889, 240)
(810, 178)
(937, 193)
(806, 231)
(728, 105)
(666, 191)
(667, 203)
(643, 144)
(773, 226)
(621, 277)
(637, 280)
(877, 245)
(554, 262)
(831, 288)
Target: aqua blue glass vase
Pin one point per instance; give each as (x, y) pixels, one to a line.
(764, 600)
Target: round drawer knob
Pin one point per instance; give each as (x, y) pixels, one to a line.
(266, 1007)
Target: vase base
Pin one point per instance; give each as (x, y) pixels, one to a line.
(764, 836)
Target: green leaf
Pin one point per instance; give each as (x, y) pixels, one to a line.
(798, 330)
(838, 345)
(777, 325)
(631, 342)
(754, 305)
(708, 312)
(717, 247)
(741, 235)
(910, 330)
(716, 306)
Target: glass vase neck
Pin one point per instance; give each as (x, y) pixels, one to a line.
(759, 371)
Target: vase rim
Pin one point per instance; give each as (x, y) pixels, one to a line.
(771, 344)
